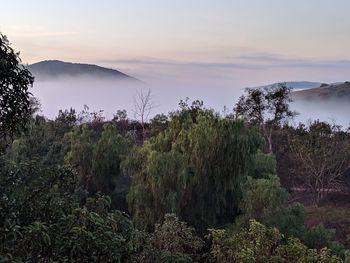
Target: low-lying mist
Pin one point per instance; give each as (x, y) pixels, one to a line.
(112, 95)
(332, 111)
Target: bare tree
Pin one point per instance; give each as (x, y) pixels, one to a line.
(143, 106)
(321, 155)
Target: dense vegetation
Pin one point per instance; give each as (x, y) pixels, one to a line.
(192, 186)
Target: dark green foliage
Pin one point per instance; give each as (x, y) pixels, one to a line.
(158, 124)
(41, 220)
(42, 141)
(172, 241)
(97, 160)
(265, 201)
(262, 165)
(80, 153)
(107, 156)
(31, 192)
(66, 120)
(198, 162)
(319, 237)
(14, 95)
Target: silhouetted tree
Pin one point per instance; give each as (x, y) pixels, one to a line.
(15, 80)
(267, 108)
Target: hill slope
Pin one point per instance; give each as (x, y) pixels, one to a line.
(295, 85)
(336, 92)
(51, 69)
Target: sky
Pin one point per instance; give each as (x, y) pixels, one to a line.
(236, 43)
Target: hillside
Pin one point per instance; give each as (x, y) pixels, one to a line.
(295, 85)
(52, 69)
(326, 92)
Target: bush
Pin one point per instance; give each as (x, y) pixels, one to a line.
(172, 241)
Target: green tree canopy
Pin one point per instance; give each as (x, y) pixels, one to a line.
(193, 169)
(172, 241)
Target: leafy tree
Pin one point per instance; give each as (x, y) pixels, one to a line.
(267, 108)
(31, 192)
(97, 160)
(42, 140)
(266, 201)
(15, 81)
(66, 119)
(120, 119)
(44, 223)
(258, 243)
(158, 124)
(321, 153)
(262, 166)
(107, 176)
(197, 162)
(319, 237)
(81, 153)
(172, 241)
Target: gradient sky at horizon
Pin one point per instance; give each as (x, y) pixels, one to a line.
(235, 42)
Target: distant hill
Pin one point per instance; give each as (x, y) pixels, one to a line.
(295, 85)
(52, 69)
(336, 91)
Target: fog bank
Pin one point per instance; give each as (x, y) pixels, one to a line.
(110, 96)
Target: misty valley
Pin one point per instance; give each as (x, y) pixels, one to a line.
(58, 90)
(175, 131)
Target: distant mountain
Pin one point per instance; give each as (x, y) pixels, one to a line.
(335, 91)
(52, 69)
(295, 85)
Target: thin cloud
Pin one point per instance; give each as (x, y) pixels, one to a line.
(168, 62)
(247, 62)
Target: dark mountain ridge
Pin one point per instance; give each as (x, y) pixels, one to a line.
(52, 69)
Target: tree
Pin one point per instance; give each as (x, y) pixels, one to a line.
(321, 153)
(261, 244)
(158, 124)
(198, 161)
(267, 108)
(80, 154)
(143, 106)
(172, 241)
(15, 80)
(41, 220)
(266, 201)
(97, 159)
(107, 176)
(92, 117)
(67, 118)
(42, 140)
